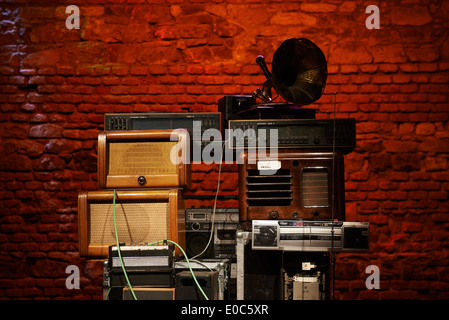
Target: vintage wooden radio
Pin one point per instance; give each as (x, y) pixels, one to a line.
(144, 159)
(142, 217)
(297, 184)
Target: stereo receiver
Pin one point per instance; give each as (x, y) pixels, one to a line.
(195, 122)
(293, 133)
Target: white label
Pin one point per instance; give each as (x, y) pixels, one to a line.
(268, 165)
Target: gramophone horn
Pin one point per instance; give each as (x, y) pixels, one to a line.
(299, 71)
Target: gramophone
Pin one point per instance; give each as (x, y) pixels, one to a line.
(299, 74)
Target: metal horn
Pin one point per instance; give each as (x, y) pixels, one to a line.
(299, 71)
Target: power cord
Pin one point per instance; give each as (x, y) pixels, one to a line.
(212, 228)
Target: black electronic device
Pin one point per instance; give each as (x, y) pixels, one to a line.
(141, 257)
(231, 106)
(145, 265)
(275, 110)
(187, 289)
(213, 276)
(314, 236)
(293, 133)
(199, 224)
(195, 122)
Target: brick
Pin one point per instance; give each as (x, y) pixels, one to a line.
(350, 53)
(348, 69)
(388, 67)
(45, 131)
(381, 79)
(389, 53)
(48, 163)
(293, 18)
(412, 227)
(410, 15)
(432, 144)
(398, 146)
(318, 7)
(406, 161)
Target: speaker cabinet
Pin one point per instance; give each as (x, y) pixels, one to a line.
(196, 242)
(186, 288)
(143, 159)
(142, 216)
(299, 184)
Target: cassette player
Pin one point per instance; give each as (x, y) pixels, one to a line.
(223, 222)
(318, 236)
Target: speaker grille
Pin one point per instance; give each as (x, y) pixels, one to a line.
(136, 222)
(141, 158)
(265, 190)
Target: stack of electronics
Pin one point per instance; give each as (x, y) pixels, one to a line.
(153, 272)
(292, 204)
(279, 242)
(137, 220)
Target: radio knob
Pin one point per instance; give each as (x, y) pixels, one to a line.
(274, 214)
(196, 226)
(141, 180)
(316, 140)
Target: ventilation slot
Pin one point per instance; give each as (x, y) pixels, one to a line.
(269, 190)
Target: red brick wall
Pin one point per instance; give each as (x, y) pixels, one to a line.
(130, 56)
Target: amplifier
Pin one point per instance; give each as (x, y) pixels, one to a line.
(141, 257)
(142, 216)
(298, 184)
(196, 215)
(143, 159)
(145, 265)
(319, 236)
(293, 133)
(195, 122)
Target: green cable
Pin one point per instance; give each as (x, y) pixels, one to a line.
(118, 250)
(188, 264)
(153, 243)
